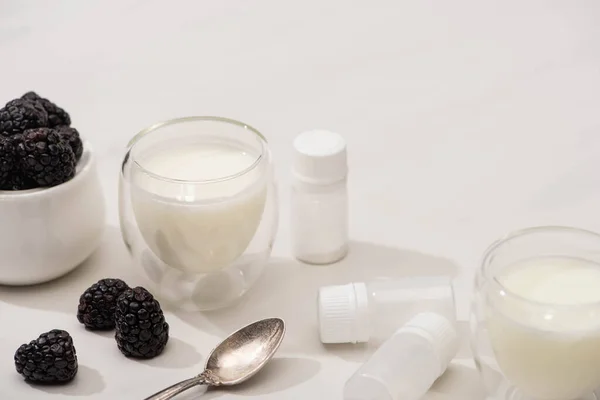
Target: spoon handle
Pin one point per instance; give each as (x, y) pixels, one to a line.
(204, 378)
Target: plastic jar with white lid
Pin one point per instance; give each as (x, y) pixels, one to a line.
(373, 311)
(408, 363)
(319, 198)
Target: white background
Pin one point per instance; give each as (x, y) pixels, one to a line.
(464, 120)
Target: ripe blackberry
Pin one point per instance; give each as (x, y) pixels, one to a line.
(51, 358)
(97, 304)
(11, 177)
(71, 136)
(16, 181)
(19, 115)
(142, 331)
(45, 158)
(7, 161)
(56, 115)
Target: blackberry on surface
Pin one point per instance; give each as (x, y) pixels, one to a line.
(51, 358)
(97, 304)
(19, 115)
(71, 136)
(45, 158)
(141, 329)
(56, 115)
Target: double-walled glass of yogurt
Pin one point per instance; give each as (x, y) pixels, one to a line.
(535, 317)
(198, 209)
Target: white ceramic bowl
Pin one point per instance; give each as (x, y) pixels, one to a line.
(45, 233)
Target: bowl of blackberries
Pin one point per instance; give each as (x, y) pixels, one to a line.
(51, 201)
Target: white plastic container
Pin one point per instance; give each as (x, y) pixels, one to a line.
(373, 311)
(406, 365)
(319, 201)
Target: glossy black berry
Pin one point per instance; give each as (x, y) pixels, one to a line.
(19, 115)
(51, 358)
(7, 162)
(71, 136)
(44, 158)
(97, 304)
(56, 115)
(16, 181)
(11, 176)
(141, 329)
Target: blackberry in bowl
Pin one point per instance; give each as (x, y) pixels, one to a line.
(51, 202)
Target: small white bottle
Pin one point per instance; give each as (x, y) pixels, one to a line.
(373, 311)
(407, 364)
(319, 198)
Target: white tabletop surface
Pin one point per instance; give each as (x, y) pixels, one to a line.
(464, 120)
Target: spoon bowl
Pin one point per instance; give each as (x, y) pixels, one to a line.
(245, 352)
(236, 359)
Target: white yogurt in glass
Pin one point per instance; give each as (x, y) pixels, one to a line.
(544, 327)
(198, 203)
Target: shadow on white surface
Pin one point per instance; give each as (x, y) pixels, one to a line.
(87, 382)
(358, 352)
(279, 375)
(178, 354)
(464, 334)
(288, 290)
(108, 333)
(458, 383)
(110, 260)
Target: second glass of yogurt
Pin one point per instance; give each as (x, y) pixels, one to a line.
(198, 209)
(536, 315)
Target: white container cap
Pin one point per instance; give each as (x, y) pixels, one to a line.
(438, 331)
(320, 157)
(344, 314)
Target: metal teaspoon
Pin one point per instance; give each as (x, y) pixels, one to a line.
(236, 358)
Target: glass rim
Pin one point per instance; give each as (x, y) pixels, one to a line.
(489, 252)
(174, 121)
